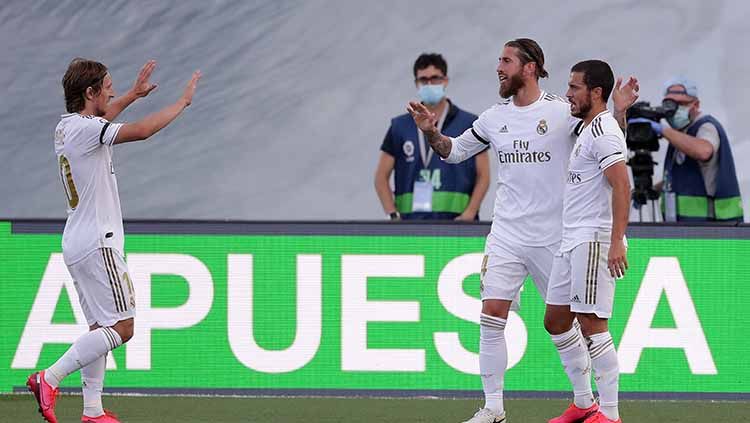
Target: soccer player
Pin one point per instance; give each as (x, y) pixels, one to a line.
(531, 132)
(593, 250)
(93, 238)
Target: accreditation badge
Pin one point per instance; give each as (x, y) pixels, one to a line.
(670, 206)
(422, 198)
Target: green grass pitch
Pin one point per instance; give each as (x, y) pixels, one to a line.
(164, 409)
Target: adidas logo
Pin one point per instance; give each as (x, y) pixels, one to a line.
(575, 299)
(504, 129)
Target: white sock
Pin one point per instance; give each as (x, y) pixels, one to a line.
(575, 360)
(92, 380)
(83, 352)
(493, 359)
(606, 372)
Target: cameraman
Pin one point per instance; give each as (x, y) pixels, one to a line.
(700, 182)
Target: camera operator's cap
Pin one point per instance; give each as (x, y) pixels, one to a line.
(691, 88)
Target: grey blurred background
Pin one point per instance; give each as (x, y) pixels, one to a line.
(297, 95)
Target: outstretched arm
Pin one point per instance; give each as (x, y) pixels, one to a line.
(154, 122)
(141, 88)
(623, 96)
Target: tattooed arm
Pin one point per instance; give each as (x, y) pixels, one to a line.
(452, 150)
(439, 142)
(427, 122)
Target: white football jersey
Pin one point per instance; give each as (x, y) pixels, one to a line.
(587, 207)
(532, 145)
(84, 156)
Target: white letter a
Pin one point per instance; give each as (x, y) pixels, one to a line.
(664, 275)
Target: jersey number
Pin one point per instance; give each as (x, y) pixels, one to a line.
(67, 179)
(426, 175)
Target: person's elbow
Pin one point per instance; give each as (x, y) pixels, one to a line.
(705, 153)
(130, 132)
(383, 171)
(483, 164)
(142, 132)
(380, 181)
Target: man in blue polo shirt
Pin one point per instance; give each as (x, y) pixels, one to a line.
(425, 186)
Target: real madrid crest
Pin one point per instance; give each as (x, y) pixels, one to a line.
(542, 128)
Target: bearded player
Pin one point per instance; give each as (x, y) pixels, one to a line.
(532, 133)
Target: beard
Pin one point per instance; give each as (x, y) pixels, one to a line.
(583, 109)
(513, 85)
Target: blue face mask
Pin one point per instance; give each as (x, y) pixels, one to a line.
(681, 118)
(431, 93)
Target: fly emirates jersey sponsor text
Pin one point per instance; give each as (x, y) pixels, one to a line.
(532, 145)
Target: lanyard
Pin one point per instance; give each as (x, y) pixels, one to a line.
(426, 153)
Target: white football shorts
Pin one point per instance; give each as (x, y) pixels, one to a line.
(104, 288)
(580, 278)
(505, 267)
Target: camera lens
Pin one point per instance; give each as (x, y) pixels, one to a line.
(669, 106)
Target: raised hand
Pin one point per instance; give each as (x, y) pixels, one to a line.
(187, 96)
(425, 119)
(142, 86)
(623, 96)
(427, 122)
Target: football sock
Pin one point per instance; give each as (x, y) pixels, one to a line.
(575, 360)
(92, 380)
(606, 372)
(493, 359)
(83, 352)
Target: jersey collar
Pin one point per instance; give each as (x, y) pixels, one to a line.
(602, 113)
(542, 93)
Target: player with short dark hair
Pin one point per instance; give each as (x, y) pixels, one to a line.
(593, 250)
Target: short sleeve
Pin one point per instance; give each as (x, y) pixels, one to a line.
(95, 132)
(708, 132)
(389, 144)
(608, 150)
(108, 131)
(91, 132)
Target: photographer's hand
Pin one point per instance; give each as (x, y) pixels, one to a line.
(655, 126)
